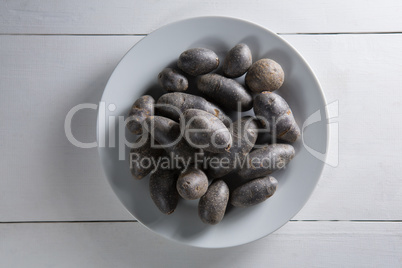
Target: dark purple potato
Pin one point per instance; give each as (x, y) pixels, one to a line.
(167, 133)
(141, 109)
(225, 91)
(192, 183)
(265, 75)
(162, 187)
(171, 80)
(264, 161)
(275, 115)
(143, 158)
(172, 105)
(244, 136)
(197, 61)
(212, 205)
(205, 131)
(254, 192)
(237, 61)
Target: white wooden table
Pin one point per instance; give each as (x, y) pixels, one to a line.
(56, 207)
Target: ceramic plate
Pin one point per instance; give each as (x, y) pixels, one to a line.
(136, 75)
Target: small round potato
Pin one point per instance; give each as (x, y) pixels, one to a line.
(254, 192)
(171, 80)
(141, 109)
(197, 61)
(205, 131)
(192, 183)
(225, 91)
(212, 205)
(162, 187)
(237, 61)
(265, 75)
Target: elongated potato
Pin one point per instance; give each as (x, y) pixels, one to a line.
(192, 183)
(167, 133)
(264, 161)
(275, 115)
(212, 205)
(171, 80)
(254, 192)
(237, 61)
(226, 92)
(162, 187)
(171, 105)
(205, 131)
(143, 158)
(244, 136)
(265, 75)
(141, 109)
(197, 61)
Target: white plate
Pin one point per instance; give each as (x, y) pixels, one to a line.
(137, 73)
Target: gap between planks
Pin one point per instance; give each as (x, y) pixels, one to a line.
(324, 33)
(135, 221)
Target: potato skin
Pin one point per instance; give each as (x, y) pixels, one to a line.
(192, 183)
(141, 109)
(145, 151)
(212, 205)
(183, 102)
(244, 136)
(162, 187)
(168, 134)
(277, 115)
(198, 61)
(254, 192)
(205, 131)
(265, 75)
(266, 160)
(171, 80)
(237, 61)
(225, 91)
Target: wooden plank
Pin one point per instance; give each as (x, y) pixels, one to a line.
(362, 73)
(297, 244)
(141, 17)
(44, 177)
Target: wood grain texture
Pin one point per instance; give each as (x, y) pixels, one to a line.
(297, 244)
(45, 178)
(142, 17)
(362, 74)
